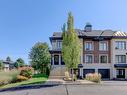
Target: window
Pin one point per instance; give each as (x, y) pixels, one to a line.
(120, 45)
(120, 73)
(59, 44)
(103, 58)
(54, 44)
(88, 58)
(103, 46)
(88, 46)
(120, 58)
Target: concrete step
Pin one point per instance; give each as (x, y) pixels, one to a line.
(58, 71)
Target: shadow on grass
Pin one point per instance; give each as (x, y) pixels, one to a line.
(25, 87)
(37, 83)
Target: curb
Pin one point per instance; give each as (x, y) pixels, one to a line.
(27, 87)
(43, 85)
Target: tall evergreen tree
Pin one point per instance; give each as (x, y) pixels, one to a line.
(71, 45)
(8, 59)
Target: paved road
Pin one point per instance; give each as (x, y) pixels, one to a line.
(106, 88)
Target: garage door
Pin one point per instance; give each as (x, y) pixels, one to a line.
(105, 73)
(86, 71)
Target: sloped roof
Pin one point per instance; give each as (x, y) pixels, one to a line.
(93, 33)
(8, 62)
(119, 33)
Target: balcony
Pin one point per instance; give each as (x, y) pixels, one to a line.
(56, 48)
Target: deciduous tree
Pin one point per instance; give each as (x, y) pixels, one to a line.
(19, 63)
(40, 57)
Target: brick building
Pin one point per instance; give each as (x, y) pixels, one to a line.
(102, 51)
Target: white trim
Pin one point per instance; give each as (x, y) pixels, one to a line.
(120, 55)
(89, 42)
(56, 44)
(118, 48)
(92, 58)
(53, 59)
(59, 59)
(103, 55)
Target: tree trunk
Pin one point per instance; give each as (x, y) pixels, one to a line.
(72, 74)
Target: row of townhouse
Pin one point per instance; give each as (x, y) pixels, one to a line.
(102, 51)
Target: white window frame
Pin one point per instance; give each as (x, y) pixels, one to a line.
(54, 44)
(120, 62)
(106, 45)
(119, 46)
(59, 44)
(100, 58)
(91, 44)
(92, 59)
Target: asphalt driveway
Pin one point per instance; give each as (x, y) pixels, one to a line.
(105, 88)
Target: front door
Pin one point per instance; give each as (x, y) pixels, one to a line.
(120, 73)
(56, 59)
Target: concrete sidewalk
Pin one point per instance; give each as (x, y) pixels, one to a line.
(62, 82)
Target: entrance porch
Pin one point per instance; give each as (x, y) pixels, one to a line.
(120, 71)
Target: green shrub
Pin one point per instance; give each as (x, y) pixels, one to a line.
(14, 74)
(94, 77)
(40, 75)
(26, 71)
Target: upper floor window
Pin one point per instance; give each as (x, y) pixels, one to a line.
(120, 45)
(103, 46)
(56, 44)
(88, 58)
(120, 58)
(103, 59)
(59, 44)
(88, 46)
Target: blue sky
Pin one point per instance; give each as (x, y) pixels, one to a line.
(25, 22)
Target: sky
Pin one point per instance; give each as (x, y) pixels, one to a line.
(25, 22)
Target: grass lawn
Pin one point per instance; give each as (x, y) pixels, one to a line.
(36, 79)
